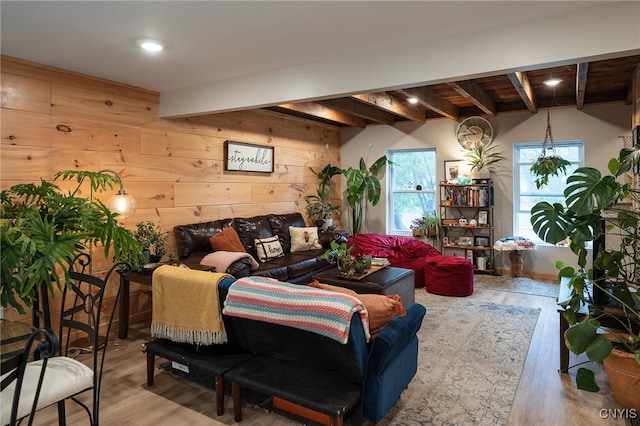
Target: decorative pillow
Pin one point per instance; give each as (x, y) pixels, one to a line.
(382, 309)
(226, 240)
(268, 248)
(304, 238)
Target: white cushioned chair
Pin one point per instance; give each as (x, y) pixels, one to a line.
(65, 377)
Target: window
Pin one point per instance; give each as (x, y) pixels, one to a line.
(411, 168)
(526, 195)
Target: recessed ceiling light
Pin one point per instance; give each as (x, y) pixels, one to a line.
(150, 45)
(552, 82)
(412, 100)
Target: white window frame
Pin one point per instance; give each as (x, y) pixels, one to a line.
(391, 191)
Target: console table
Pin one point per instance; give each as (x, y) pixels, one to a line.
(606, 321)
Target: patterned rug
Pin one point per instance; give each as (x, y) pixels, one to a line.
(517, 285)
(470, 361)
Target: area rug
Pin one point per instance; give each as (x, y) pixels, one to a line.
(471, 357)
(517, 285)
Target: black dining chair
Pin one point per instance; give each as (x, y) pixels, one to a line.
(22, 380)
(68, 375)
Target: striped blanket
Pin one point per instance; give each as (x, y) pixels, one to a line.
(324, 312)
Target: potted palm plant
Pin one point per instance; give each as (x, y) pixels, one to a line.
(482, 160)
(596, 206)
(43, 228)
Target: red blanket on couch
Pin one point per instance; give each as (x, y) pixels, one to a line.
(402, 252)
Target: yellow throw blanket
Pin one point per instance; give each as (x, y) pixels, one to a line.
(186, 307)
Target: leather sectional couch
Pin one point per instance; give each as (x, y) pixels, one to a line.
(193, 245)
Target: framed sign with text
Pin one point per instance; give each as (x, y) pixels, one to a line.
(247, 157)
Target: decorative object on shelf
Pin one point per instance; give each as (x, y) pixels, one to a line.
(482, 160)
(481, 241)
(465, 241)
(248, 157)
(483, 217)
(615, 269)
(319, 206)
(548, 162)
(474, 131)
(363, 182)
(43, 229)
(453, 170)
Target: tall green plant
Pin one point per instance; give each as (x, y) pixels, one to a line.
(43, 228)
(360, 182)
(580, 220)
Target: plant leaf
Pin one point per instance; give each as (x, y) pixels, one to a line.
(586, 380)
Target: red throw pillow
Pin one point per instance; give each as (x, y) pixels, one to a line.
(227, 240)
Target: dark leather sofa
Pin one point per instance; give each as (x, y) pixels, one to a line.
(193, 245)
(358, 379)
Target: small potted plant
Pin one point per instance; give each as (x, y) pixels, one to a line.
(417, 225)
(341, 254)
(427, 225)
(152, 241)
(431, 227)
(482, 160)
(319, 208)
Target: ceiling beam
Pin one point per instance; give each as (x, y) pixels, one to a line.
(474, 94)
(433, 101)
(360, 109)
(581, 83)
(392, 104)
(325, 112)
(522, 85)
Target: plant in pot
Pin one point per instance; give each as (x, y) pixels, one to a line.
(417, 225)
(427, 225)
(152, 241)
(361, 182)
(340, 253)
(43, 229)
(597, 206)
(548, 163)
(482, 159)
(319, 208)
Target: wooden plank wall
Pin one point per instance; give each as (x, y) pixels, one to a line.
(54, 120)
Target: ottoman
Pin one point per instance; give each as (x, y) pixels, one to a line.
(448, 276)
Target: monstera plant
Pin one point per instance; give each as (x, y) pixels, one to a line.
(43, 228)
(599, 205)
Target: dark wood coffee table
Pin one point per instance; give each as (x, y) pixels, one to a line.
(387, 281)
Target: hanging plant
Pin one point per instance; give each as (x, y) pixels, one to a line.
(549, 163)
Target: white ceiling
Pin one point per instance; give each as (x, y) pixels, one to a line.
(215, 41)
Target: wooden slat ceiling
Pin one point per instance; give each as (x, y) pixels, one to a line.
(582, 84)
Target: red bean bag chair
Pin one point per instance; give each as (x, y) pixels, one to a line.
(402, 252)
(449, 276)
